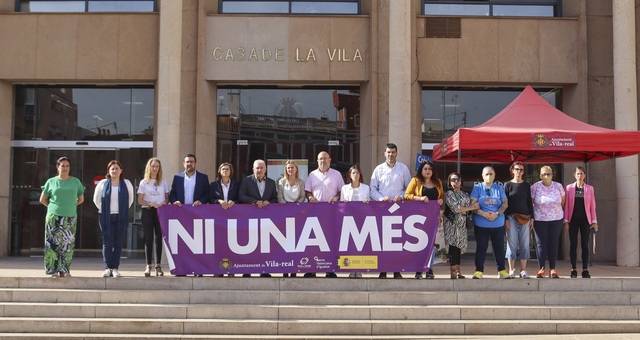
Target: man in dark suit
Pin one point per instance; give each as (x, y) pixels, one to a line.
(189, 187)
(258, 189)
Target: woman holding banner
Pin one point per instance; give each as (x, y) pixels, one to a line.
(425, 186)
(354, 190)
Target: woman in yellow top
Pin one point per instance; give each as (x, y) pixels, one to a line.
(425, 186)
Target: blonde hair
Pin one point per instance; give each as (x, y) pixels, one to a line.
(147, 170)
(546, 168)
(286, 175)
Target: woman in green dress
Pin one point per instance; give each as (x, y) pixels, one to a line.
(61, 195)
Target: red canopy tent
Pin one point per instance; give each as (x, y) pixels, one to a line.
(532, 130)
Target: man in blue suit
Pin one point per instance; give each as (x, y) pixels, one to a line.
(258, 189)
(189, 187)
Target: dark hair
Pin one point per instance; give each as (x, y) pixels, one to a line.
(391, 146)
(517, 163)
(191, 155)
(62, 159)
(112, 163)
(449, 179)
(434, 177)
(354, 167)
(220, 169)
(579, 167)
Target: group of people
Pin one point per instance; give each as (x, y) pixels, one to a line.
(512, 211)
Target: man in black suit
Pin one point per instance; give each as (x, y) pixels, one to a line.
(189, 187)
(258, 189)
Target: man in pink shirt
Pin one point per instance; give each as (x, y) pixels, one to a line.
(323, 185)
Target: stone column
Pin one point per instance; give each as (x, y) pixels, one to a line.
(6, 132)
(400, 58)
(626, 117)
(168, 88)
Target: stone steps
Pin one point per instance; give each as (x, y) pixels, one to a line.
(298, 308)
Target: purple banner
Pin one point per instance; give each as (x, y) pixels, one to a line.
(299, 238)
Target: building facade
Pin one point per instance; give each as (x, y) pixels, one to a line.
(229, 81)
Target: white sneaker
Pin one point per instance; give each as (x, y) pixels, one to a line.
(524, 275)
(115, 273)
(512, 273)
(107, 273)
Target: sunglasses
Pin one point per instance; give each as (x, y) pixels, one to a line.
(455, 180)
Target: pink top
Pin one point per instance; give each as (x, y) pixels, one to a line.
(589, 203)
(547, 201)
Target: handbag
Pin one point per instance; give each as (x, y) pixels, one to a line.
(522, 218)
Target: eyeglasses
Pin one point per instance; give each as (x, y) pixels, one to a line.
(455, 180)
(545, 175)
(518, 169)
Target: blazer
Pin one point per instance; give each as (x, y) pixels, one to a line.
(415, 189)
(216, 193)
(589, 203)
(249, 192)
(200, 191)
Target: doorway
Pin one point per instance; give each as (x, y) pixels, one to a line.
(32, 166)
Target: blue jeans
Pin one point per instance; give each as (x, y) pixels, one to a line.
(548, 238)
(517, 240)
(483, 235)
(112, 243)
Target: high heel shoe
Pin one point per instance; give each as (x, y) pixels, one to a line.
(147, 271)
(159, 271)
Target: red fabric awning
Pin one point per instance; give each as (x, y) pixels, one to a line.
(532, 130)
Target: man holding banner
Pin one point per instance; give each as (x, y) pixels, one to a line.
(389, 180)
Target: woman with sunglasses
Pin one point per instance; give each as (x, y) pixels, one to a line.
(519, 223)
(548, 202)
(425, 186)
(457, 204)
(488, 222)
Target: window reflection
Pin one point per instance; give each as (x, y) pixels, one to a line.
(55, 113)
(444, 111)
(522, 11)
(70, 6)
(529, 8)
(287, 124)
(290, 6)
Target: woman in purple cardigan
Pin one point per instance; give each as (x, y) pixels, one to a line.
(580, 215)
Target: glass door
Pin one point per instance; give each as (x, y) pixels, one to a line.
(33, 166)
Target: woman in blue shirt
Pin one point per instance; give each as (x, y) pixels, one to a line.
(488, 222)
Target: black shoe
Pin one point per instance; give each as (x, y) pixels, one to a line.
(418, 275)
(309, 274)
(292, 275)
(199, 275)
(429, 275)
(331, 275)
(285, 275)
(574, 274)
(246, 275)
(585, 274)
(397, 275)
(265, 275)
(382, 276)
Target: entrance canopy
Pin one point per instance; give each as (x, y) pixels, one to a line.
(532, 130)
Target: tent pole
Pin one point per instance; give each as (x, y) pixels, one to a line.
(459, 161)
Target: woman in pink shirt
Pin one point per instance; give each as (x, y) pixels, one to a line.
(580, 215)
(548, 200)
